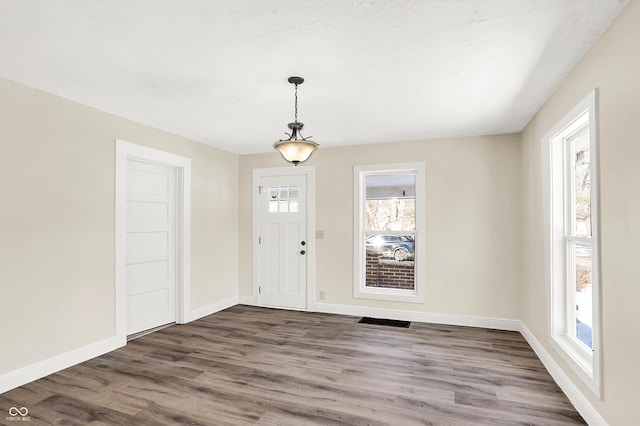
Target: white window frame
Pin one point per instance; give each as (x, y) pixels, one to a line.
(360, 172)
(559, 266)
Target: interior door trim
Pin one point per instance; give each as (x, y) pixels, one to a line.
(125, 151)
(310, 172)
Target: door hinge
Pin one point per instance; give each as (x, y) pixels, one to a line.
(259, 240)
(260, 190)
(259, 290)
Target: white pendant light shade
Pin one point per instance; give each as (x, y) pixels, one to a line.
(296, 152)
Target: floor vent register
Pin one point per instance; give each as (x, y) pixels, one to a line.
(386, 322)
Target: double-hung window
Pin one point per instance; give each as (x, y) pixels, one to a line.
(389, 216)
(571, 222)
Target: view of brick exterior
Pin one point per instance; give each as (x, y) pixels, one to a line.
(388, 273)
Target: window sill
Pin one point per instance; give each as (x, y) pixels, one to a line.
(388, 294)
(579, 360)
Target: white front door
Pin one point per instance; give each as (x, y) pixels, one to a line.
(151, 245)
(283, 241)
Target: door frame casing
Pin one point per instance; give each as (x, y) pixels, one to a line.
(310, 173)
(128, 151)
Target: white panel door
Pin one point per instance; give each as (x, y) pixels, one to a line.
(151, 245)
(283, 241)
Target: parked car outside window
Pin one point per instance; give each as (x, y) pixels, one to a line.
(398, 247)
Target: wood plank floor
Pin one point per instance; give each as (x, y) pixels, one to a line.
(249, 365)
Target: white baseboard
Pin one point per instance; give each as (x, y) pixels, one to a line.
(577, 398)
(432, 317)
(213, 308)
(24, 375)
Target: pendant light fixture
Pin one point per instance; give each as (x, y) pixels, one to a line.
(296, 150)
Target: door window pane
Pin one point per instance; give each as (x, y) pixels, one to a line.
(293, 192)
(284, 192)
(284, 199)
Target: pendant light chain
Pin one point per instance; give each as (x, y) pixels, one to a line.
(296, 109)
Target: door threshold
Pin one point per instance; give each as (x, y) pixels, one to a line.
(149, 331)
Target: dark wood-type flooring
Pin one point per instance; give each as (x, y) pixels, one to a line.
(249, 365)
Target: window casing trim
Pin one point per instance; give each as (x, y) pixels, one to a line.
(584, 362)
(417, 295)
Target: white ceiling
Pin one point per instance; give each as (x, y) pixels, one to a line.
(376, 70)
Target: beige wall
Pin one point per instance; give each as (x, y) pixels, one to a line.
(473, 222)
(57, 222)
(613, 65)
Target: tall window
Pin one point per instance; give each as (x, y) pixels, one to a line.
(578, 234)
(572, 240)
(388, 208)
